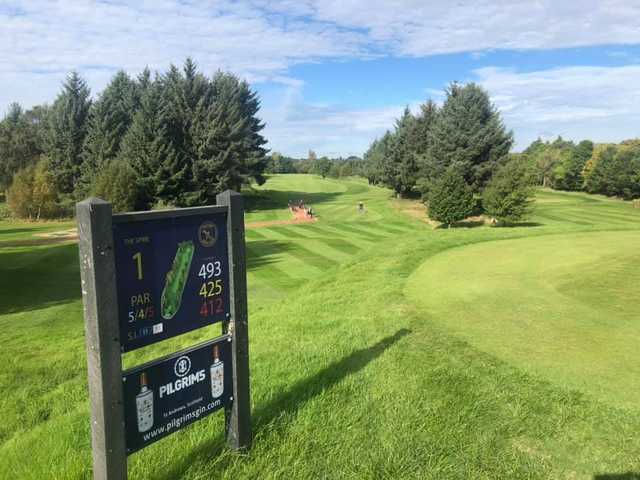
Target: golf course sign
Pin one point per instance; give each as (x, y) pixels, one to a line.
(172, 274)
(148, 277)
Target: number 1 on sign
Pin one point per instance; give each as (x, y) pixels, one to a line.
(138, 258)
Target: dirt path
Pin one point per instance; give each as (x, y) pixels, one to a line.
(299, 216)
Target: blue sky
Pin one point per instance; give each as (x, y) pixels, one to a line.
(333, 75)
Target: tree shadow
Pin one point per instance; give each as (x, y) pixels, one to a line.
(261, 252)
(617, 476)
(11, 231)
(290, 401)
(469, 224)
(38, 278)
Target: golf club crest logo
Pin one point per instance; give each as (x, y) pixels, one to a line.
(207, 234)
(182, 366)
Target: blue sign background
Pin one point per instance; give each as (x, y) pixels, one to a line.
(178, 391)
(155, 242)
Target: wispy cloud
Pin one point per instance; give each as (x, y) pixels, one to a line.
(296, 125)
(601, 103)
(40, 41)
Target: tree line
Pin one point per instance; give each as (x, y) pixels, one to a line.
(175, 138)
(323, 166)
(607, 169)
(456, 156)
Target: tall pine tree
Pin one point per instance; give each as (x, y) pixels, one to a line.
(227, 144)
(67, 129)
(148, 150)
(469, 135)
(110, 118)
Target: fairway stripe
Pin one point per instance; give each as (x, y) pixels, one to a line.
(363, 233)
(341, 245)
(311, 258)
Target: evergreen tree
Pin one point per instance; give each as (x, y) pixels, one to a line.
(400, 167)
(322, 167)
(597, 169)
(110, 118)
(574, 165)
(148, 150)
(450, 199)
(508, 195)
(226, 139)
(468, 134)
(420, 138)
(117, 184)
(67, 129)
(177, 109)
(19, 144)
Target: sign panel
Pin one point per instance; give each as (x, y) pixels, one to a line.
(165, 395)
(172, 274)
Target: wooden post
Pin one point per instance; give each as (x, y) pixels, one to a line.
(97, 270)
(238, 417)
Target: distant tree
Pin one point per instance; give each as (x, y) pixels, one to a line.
(376, 157)
(400, 166)
(597, 170)
(468, 134)
(117, 184)
(615, 171)
(450, 199)
(508, 195)
(275, 164)
(334, 170)
(322, 167)
(67, 129)
(421, 133)
(20, 143)
(33, 193)
(574, 165)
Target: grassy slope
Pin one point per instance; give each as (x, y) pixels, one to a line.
(350, 379)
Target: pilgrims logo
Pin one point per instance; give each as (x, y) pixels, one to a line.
(207, 234)
(182, 369)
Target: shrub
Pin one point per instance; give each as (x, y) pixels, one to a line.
(507, 197)
(33, 193)
(117, 184)
(450, 198)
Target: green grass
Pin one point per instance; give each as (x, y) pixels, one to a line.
(354, 374)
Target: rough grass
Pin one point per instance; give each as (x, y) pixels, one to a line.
(350, 378)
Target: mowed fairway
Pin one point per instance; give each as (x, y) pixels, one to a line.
(362, 362)
(563, 306)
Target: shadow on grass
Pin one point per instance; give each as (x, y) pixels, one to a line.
(617, 476)
(481, 223)
(261, 252)
(38, 278)
(10, 231)
(290, 401)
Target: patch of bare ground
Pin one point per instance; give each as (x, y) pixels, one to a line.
(418, 210)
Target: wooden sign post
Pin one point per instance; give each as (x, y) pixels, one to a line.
(147, 277)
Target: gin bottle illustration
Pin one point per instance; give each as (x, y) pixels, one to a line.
(217, 374)
(144, 405)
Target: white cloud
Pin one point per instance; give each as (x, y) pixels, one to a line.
(295, 125)
(40, 41)
(599, 103)
(419, 28)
